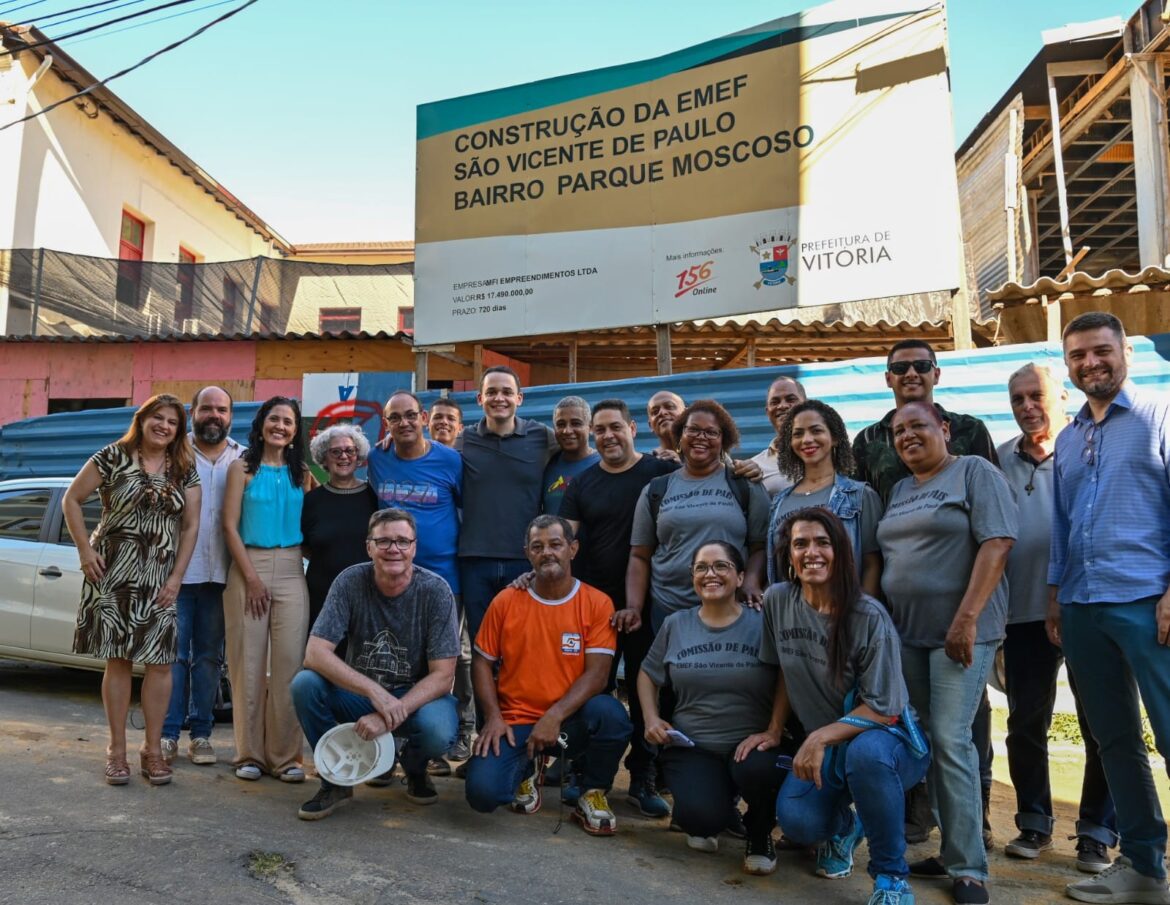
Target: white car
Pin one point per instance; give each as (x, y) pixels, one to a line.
(40, 580)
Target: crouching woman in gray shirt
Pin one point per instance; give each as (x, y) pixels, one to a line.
(841, 672)
(710, 657)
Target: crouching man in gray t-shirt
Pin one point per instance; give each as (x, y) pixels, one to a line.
(399, 664)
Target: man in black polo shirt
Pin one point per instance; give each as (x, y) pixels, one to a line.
(599, 504)
(503, 466)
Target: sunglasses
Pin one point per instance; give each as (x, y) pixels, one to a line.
(921, 365)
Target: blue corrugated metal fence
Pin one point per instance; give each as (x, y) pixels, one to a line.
(974, 382)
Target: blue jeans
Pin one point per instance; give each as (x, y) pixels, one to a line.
(600, 728)
(480, 580)
(947, 696)
(879, 769)
(1113, 649)
(195, 672)
(321, 705)
(1031, 664)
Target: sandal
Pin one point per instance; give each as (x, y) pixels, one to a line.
(154, 768)
(117, 770)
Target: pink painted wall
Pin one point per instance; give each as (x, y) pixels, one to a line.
(31, 373)
(267, 388)
(190, 361)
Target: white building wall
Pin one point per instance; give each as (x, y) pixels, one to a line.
(70, 173)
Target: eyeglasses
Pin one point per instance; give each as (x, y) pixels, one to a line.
(920, 365)
(697, 432)
(347, 453)
(408, 416)
(1089, 454)
(385, 543)
(720, 567)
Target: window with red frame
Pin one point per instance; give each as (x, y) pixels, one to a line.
(186, 276)
(131, 251)
(406, 320)
(338, 320)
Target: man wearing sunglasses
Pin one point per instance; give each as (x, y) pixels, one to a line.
(912, 373)
(1109, 589)
(399, 624)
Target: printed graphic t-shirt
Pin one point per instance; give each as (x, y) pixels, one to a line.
(390, 639)
(723, 690)
(558, 475)
(541, 645)
(431, 489)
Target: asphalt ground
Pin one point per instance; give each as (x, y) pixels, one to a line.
(209, 838)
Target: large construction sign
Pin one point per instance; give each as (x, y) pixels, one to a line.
(806, 161)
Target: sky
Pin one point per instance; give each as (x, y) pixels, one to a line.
(306, 111)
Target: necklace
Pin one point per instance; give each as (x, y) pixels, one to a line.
(149, 488)
(818, 484)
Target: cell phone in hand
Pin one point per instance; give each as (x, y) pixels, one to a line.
(681, 739)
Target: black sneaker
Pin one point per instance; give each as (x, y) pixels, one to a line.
(760, 857)
(967, 891)
(382, 780)
(328, 798)
(735, 825)
(1092, 856)
(1029, 844)
(931, 868)
(420, 789)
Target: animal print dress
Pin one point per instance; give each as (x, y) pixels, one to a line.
(138, 537)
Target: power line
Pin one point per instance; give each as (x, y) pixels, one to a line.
(88, 29)
(158, 53)
(16, 9)
(85, 15)
(186, 12)
(66, 12)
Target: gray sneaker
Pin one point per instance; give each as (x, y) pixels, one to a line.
(200, 752)
(1120, 884)
(170, 749)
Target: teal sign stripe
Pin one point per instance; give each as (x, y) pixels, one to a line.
(469, 110)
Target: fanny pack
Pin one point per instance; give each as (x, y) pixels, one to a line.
(906, 729)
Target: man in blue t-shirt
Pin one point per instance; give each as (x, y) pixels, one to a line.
(571, 426)
(426, 479)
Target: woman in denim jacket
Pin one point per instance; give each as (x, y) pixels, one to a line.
(814, 451)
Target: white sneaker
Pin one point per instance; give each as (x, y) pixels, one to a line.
(249, 772)
(703, 843)
(1120, 884)
(170, 749)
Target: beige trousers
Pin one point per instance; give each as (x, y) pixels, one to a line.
(263, 656)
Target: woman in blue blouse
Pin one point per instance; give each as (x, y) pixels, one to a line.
(266, 601)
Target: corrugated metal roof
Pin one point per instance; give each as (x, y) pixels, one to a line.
(203, 337)
(343, 247)
(1109, 283)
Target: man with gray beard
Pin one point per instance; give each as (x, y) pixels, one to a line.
(199, 608)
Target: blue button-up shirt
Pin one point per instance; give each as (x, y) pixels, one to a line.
(1111, 515)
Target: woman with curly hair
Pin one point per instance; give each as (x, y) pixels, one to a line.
(814, 452)
(266, 601)
(133, 567)
(336, 514)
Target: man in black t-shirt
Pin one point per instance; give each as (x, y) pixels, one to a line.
(600, 504)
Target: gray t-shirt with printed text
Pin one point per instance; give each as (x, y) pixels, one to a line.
(390, 639)
(796, 638)
(723, 690)
(694, 511)
(930, 535)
